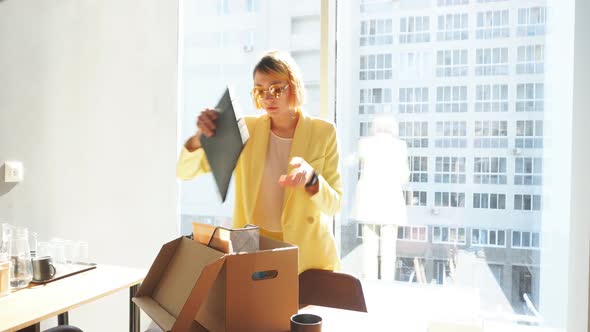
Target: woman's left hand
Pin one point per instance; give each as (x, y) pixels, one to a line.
(300, 174)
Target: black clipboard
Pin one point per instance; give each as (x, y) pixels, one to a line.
(224, 148)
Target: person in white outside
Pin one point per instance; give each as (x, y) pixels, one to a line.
(379, 204)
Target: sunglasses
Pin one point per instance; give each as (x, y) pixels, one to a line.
(274, 90)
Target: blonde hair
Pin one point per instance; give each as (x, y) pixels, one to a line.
(283, 66)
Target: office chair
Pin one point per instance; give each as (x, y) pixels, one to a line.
(331, 289)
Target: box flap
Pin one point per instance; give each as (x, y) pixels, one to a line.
(160, 316)
(181, 273)
(157, 268)
(268, 243)
(186, 318)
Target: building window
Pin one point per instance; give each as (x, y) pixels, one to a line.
(527, 202)
(452, 27)
(412, 233)
(414, 29)
(415, 198)
(451, 99)
(376, 32)
(491, 98)
(443, 234)
(442, 3)
(492, 24)
(451, 63)
(252, 6)
(489, 201)
(528, 171)
(418, 169)
(530, 59)
(376, 6)
(491, 134)
(450, 170)
(529, 134)
(362, 228)
(414, 64)
(488, 237)
(415, 133)
(489, 170)
(366, 128)
(525, 240)
(491, 61)
(530, 97)
(375, 100)
(531, 21)
(451, 134)
(449, 199)
(375, 67)
(413, 100)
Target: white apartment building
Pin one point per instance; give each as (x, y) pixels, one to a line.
(465, 81)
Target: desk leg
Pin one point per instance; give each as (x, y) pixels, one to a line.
(134, 324)
(63, 319)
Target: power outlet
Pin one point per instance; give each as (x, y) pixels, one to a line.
(13, 171)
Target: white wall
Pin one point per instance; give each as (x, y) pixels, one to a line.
(88, 103)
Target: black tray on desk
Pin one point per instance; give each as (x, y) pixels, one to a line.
(66, 270)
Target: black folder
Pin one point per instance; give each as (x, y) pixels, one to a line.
(223, 149)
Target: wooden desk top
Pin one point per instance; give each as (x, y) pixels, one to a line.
(345, 320)
(36, 303)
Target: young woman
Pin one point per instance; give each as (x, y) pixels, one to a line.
(286, 179)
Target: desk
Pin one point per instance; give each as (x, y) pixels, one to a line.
(33, 304)
(346, 320)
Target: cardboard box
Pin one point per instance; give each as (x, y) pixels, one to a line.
(191, 287)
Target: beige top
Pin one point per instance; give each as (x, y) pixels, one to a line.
(269, 204)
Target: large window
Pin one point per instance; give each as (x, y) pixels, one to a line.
(464, 79)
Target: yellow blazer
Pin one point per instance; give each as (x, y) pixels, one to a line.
(306, 220)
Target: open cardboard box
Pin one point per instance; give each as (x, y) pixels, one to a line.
(191, 287)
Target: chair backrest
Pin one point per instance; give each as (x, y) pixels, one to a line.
(331, 289)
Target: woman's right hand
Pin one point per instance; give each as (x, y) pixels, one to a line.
(205, 125)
